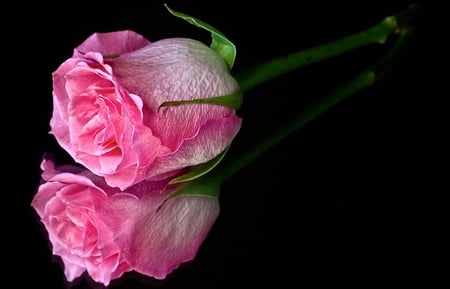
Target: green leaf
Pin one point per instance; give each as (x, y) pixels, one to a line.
(200, 170)
(233, 100)
(220, 43)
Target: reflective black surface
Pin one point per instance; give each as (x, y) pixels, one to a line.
(330, 204)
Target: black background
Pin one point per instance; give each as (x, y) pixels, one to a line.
(333, 203)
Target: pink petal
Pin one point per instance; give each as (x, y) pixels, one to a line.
(166, 238)
(212, 139)
(176, 69)
(111, 43)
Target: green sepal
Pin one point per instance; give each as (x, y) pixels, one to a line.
(203, 186)
(220, 44)
(200, 170)
(233, 100)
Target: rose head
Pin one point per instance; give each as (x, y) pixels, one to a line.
(82, 229)
(107, 232)
(107, 110)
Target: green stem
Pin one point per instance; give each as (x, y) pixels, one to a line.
(362, 80)
(357, 83)
(206, 180)
(259, 74)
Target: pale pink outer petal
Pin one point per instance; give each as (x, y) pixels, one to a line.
(176, 69)
(172, 235)
(213, 137)
(113, 43)
(181, 69)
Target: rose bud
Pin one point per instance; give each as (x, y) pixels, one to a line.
(109, 112)
(106, 232)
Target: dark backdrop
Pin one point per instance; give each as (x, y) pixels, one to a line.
(330, 204)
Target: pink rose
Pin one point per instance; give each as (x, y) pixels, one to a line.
(107, 99)
(106, 232)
